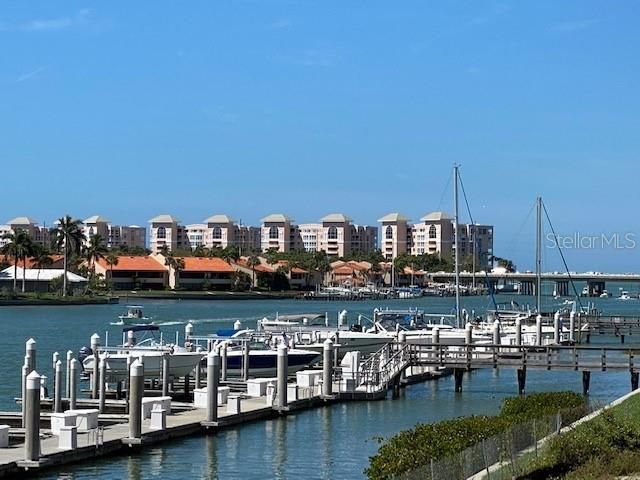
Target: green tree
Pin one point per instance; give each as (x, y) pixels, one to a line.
(41, 259)
(94, 251)
(176, 264)
(112, 261)
(18, 246)
(230, 253)
(252, 262)
(68, 237)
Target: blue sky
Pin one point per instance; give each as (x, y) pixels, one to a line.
(252, 107)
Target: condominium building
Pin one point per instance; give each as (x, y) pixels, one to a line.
(335, 235)
(217, 231)
(434, 235)
(39, 234)
(115, 236)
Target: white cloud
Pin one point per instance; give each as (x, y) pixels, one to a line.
(31, 74)
(49, 24)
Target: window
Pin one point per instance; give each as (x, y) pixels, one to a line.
(432, 231)
(273, 233)
(162, 232)
(217, 233)
(388, 233)
(332, 234)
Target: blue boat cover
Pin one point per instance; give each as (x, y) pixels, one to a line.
(225, 332)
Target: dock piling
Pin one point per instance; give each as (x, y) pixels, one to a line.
(327, 368)
(198, 374)
(103, 378)
(518, 331)
(223, 362)
(57, 387)
(572, 326)
(55, 357)
(283, 366)
(95, 344)
(165, 374)
(245, 361)
(136, 387)
(32, 424)
(30, 352)
(67, 383)
(213, 380)
(586, 380)
(634, 380)
(457, 377)
(522, 380)
(73, 383)
(496, 332)
(468, 333)
(25, 374)
(556, 328)
(539, 330)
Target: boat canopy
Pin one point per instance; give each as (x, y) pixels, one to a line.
(141, 328)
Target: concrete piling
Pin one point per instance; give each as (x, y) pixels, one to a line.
(57, 387)
(518, 331)
(54, 359)
(30, 351)
(165, 374)
(556, 328)
(103, 383)
(136, 387)
(468, 334)
(67, 383)
(25, 374)
(496, 332)
(198, 379)
(188, 333)
(223, 362)
(73, 382)
(435, 336)
(327, 368)
(283, 366)
(32, 423)
(572, 326)
(539, 330)
(95, 376)
(213, 380)
(245, 361)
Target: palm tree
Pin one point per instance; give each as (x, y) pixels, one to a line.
(112, 261)
(252, 262)
(94, 251)
(68, 236)
(19, 247)
(229, 254)
(41, 258)
(176, 264)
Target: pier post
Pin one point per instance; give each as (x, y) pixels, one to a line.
(496, 332)
(223, 361)
(128, 381)
(336, 350)
(67, 383)
(103, 377)
(539, 330)
(518, 331)
(30, 351)
(572, 326)
(327, 368)
(165, 374)
(57, 388)
(586, 379)
(634, 380)
(95, 343)
(32, 424)
(556, 328)
(188, 333)
(402, 340)
(55, 357)
(245, 361)
(283, 366)
(435, 336)
(213, 379)
(522, 379)
(198, 374)
(457, 377)
(468, 334)
(136, 387)
(25, 374)
(73, 382)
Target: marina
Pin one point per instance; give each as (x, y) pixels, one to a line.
(187, 421)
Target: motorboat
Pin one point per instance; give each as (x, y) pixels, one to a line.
(134, 316)
(604, 294)
(293, 322)
(624, 295)
(150, 350)
(263, 354)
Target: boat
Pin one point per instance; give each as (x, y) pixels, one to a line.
(624, 295)
(311, 330)
(263, 354)
(604, 294)
(151, 350)
(134, 316)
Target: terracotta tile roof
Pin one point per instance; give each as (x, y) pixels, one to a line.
(57, 261)
(206, 264)
(140, 264)
(344, 270)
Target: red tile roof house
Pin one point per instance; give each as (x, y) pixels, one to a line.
(200, 273)
(299, 278)
(350, 273)
(131, 273)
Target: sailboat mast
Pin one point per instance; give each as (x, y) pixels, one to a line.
(539, 254)
(456, 243)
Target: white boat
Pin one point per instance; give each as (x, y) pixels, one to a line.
(604, 294)
(151, 351)
(134, 316)
(624, 295)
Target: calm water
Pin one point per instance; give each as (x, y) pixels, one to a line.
(331, 442)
